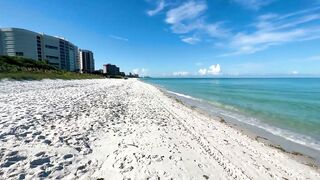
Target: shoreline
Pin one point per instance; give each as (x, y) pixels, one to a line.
(120, 129)
(299, 152)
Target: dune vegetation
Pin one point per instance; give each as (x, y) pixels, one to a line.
(19, 68)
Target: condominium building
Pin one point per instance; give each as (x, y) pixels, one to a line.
(86, 61)
(55, 50)
(110, 69)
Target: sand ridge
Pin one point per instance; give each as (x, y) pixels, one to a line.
(121, 129)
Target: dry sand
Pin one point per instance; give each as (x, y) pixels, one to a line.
(121, 129)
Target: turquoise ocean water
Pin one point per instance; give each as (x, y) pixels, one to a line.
(289, 107)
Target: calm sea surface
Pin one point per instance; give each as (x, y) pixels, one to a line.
(289, 107)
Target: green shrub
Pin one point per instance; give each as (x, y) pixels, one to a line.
(19, 68)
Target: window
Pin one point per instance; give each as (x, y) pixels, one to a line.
(19, 53)
(8, 42)
(52, 57)
(51, 47)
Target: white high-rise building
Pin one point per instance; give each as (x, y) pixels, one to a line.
(56, 51)
(86, 61)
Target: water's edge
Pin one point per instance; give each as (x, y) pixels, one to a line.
(302, 153)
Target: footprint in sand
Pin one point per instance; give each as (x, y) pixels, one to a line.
(41, 137)
(40, 161)
(47, 142)
(44, 174)
(67, 156)
(40, 154)
(12, 153)
(13, 159)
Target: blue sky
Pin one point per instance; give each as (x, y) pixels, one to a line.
(183, 37)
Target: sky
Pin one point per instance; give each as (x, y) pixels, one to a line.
(183, 38)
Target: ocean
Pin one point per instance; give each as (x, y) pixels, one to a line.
(286, 107)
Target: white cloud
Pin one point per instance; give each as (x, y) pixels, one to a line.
(273, 29)
(267, 37)
(294, 72)
(272, 22)
(253, 4)
(119, 38)
(212, 70)
(190, 40)
(251, 43)
(215, 30)
(187, 11)
(141, 72)
(186, 27)
(159, 8)
(180, 73)
(305, 11)
(188, 17)
(202, 72)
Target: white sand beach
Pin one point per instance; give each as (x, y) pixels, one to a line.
(124, 129)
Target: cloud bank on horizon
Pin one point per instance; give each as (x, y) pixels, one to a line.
(181, 73)
(142, 72)
(212, 70)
